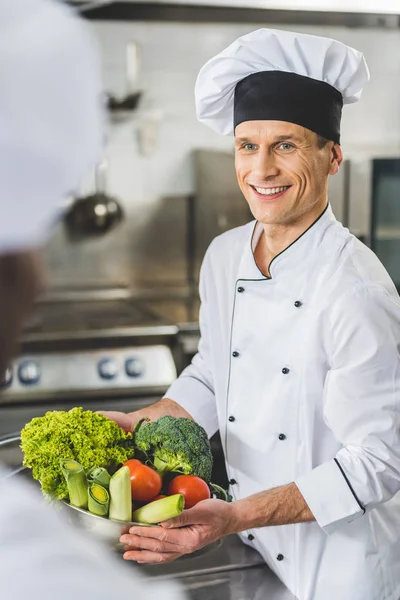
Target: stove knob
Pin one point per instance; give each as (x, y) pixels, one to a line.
(134, 367)
(29, 372)
(108, 368)
(8, 377)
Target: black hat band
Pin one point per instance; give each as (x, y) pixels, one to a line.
(282, 96)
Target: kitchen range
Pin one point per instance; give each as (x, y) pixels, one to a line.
(118, 355)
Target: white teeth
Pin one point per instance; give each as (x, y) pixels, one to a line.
(271, 191)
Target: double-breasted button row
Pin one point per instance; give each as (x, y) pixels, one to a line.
(298, 303)
(285, 370)
(281, 437)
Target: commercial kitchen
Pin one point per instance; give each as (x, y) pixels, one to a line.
(118, 320)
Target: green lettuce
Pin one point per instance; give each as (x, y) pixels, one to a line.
(82, 435)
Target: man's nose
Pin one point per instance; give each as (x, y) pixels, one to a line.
(265, 166)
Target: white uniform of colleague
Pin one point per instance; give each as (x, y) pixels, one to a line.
(50, 134)
(300, 371)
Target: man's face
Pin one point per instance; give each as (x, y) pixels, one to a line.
(281, 170)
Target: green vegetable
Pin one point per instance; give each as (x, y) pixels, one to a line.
(175, 444)
(220, 493)
(99, 475)
(98, 500)
(160, 510)
(87, 437)
(76, 482)
(120, 495)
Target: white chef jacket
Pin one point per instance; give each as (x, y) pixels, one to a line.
(44, 558)
(301, 373)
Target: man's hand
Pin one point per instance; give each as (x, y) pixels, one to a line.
(196, 527)
(164, 407)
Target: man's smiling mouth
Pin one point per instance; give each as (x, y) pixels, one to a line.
(270, 191)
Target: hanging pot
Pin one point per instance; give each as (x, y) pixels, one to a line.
(95, 214)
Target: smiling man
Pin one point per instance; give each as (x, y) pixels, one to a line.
(298, 364)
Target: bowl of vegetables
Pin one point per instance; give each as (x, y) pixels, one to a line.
(107, 480)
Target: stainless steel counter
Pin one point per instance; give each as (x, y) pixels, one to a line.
(256, 583)
(226, 570)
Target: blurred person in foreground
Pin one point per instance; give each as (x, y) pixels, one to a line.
(51, 129)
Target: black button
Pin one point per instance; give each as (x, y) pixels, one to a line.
(298, 304)
(280, 557)
(285, 370)
(232, 481)
(240, 289)
(231, 418)
(282, 436)
(235, 354)
(250, 537)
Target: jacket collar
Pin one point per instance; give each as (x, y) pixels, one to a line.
(294, 257)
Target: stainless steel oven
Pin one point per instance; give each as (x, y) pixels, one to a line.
(114, 355)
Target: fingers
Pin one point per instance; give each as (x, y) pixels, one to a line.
(148, 557)
(178, 537)
(125, 421)
(136, 542)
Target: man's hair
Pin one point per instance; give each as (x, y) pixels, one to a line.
(321, 141)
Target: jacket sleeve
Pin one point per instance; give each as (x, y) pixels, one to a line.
(194, 388)
(362, 408)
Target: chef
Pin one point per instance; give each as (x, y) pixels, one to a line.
(51, 130)
(298, 364)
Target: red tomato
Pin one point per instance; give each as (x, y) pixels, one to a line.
(192, 488)
(146, 483)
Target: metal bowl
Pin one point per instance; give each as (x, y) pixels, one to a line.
(105, 530)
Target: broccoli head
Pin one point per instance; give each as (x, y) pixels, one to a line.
(82, 435)
(176, 444)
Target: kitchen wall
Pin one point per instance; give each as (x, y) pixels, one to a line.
(151, 153)
(171, 57)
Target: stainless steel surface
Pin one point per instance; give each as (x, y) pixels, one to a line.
(77, 372)
(116, 332)
(104, 530)
(94, 315)
(219, 203)
(257, 583)
(148, 251)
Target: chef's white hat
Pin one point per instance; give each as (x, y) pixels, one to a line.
(280, 75)
(51, 116)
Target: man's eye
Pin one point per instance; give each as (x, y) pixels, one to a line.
(249, 147)
(285, 146)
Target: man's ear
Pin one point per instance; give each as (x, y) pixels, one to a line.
(336, 159)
